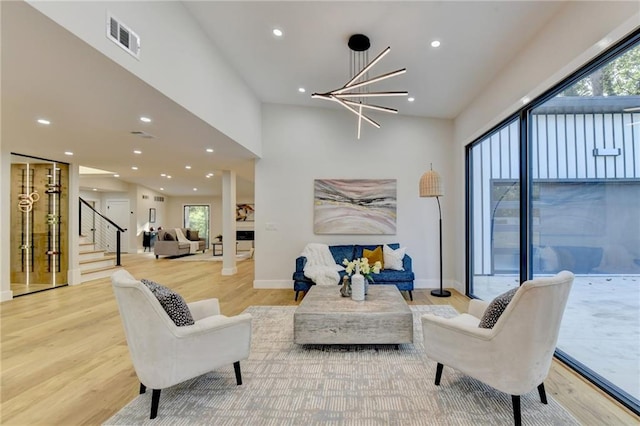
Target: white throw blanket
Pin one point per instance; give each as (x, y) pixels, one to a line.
(193, 245)
(320, 266)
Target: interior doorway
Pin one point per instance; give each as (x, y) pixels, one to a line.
(118, 212)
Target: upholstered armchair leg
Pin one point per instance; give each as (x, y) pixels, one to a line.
(411, 295)
(517, 416)
(438, 373)
(143, 388)
(297, 291)
(155, 401)
(236, 368)
(542, 393)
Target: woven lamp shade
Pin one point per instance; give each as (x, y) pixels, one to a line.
(431, 185)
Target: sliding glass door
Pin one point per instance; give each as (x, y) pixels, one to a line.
(556, 188)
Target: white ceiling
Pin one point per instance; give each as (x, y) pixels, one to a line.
(94, 104)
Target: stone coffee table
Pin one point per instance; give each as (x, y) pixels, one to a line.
(325, 317)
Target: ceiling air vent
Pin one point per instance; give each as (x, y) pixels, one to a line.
(143, 134)
(122, 35)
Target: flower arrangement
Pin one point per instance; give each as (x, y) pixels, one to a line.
(362, 266)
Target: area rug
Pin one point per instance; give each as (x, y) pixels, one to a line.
(289, 384)
(208, 257)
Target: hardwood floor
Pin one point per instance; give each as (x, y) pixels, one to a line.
(65, 359)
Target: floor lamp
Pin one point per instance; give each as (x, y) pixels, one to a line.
(431, 186)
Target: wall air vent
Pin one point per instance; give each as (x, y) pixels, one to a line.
(122, 35)
(145, 197)
(143, 134)
(158, 198)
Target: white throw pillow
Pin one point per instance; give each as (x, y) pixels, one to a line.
(393, 258)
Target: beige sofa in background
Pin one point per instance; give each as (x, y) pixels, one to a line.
(167, 243)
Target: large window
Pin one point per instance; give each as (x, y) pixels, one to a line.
(579, 211)
(196, 217)
(495, 211)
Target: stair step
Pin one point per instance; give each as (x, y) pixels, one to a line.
(98, 273)
(90, 264)
(91, 254)
(84, 247)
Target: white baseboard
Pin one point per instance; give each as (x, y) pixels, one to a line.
(74, 276)
(431, 283)
(6, 295)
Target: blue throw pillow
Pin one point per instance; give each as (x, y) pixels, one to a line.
(340, 253)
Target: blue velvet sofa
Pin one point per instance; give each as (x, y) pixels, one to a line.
(401, 279)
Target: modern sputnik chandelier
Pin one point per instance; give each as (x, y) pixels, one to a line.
(353, 94)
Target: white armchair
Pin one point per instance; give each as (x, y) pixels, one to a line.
(515, 355)
(164, 354)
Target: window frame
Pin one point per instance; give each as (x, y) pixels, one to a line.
(523, 116)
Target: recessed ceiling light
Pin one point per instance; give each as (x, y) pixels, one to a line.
(210, 175)
(134, 168)
(209, 149)
(95, 189)
(145, 119)
(68, 153)
(525, 100)
(435, 43)
(411, 99)
(277, 32)
(116, 175)
(44, 121)
(187, 167)
(168, 176)
(161, 189)
(163, 174)
(195, 189)
(301, 89)
(137, 152)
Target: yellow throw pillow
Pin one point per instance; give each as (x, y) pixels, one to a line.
(374, 256)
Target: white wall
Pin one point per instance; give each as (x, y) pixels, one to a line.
(579, 32)
(176, 58)
(303, 144)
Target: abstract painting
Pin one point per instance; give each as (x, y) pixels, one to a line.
(245, 212)
(355, 206)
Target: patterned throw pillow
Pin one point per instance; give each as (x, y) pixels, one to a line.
(374, 256)
(173, 304)
(393, 258)
(496, 308)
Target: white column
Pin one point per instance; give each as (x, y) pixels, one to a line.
(229, 223)
(5, 226)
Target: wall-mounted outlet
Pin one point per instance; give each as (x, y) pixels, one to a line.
(270, 226)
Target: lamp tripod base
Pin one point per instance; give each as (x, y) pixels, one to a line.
(440, 293)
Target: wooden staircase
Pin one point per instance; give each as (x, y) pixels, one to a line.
(95, 264)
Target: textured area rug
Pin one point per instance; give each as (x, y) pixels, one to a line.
(289, 384)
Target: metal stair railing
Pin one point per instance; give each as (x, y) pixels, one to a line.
(103, 232)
